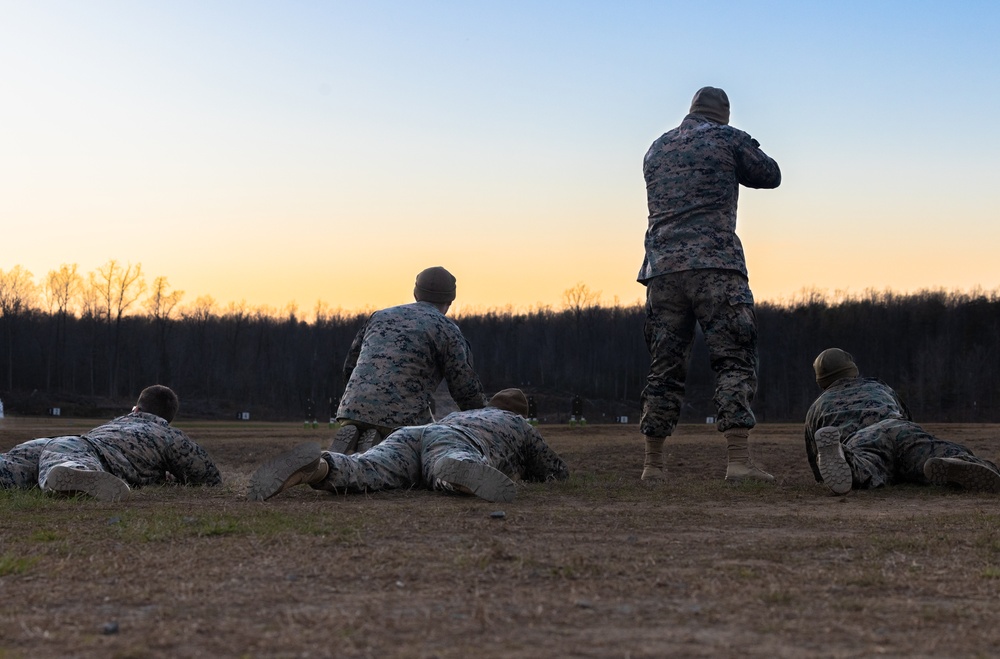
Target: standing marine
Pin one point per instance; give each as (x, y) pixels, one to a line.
(695, 274)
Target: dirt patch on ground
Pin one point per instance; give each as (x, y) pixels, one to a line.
(599, 566)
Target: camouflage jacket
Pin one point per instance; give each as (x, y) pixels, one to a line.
(142, 448)
(510, 443)
(693, 176)
(397, 361)
(851, 404)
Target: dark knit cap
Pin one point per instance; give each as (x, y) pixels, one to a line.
(834, 364)
(712, 103)
(435, 285)
(511, 400)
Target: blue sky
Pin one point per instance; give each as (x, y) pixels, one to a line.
(304, 151)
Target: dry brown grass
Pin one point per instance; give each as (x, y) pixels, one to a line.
(599, 566)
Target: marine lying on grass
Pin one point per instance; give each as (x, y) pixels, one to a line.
(476, 452)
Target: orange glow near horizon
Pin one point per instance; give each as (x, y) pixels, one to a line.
(293, 155)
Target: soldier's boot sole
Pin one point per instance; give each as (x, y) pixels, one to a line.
(738, 472)
(830, 459)
(345, 440)
(478, 479)
(368, 439)
(955, 471)
(98, 484)
(296, 466)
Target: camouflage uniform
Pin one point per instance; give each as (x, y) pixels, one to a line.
(694, 269)
(882, 444)
(139, 448)
(397, 361)
(19, 465)
(409, 457)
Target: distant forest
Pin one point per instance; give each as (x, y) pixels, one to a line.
(89, 347)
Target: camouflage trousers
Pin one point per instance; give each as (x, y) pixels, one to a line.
(19, 465)
(407, 458)
(28, 464)
(720, 302)
(894, 451)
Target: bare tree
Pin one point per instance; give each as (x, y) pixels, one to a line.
(201, 316)
(162, 301)
(580, 297)
(160, 305)
(62, 288)
(118, 287)
(203, 309)
(18, 293)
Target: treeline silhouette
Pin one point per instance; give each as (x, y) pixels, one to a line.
(939, 349)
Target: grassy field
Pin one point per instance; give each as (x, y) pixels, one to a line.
(599, 566)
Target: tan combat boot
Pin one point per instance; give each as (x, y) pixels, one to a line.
(741, 467)
(302, 465)
(101, 485)
(956, 471)
(475, 478)
(368, 439)
(652, 466)
(831, 462)
(345, 440)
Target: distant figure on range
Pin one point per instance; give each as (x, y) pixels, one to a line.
(860, 435)
(398, 360)
(310, 413)
(138, 449)
(476, 452)
(532, 410)
(695, 273)
(576, 411)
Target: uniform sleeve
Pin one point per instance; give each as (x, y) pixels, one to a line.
(541, 462)
(463, 383)
(190, 463)
(754, 168)
(354, 352)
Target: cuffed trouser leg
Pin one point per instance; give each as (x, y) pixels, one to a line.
(454, 463)
(669, 333)
(914, 446)
(872, 454)
(443, 442)
(395, 463)
(72, 452)
(19, 465)
(724, 309)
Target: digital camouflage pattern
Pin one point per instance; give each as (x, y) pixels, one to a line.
(139, 448)
(19, 465)
(882, 444)
(409, 456)
(695, 271)
(721, 302)
(693, 176)
(850, 404)
(397, 361)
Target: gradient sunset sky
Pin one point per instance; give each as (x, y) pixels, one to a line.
(279, 152)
